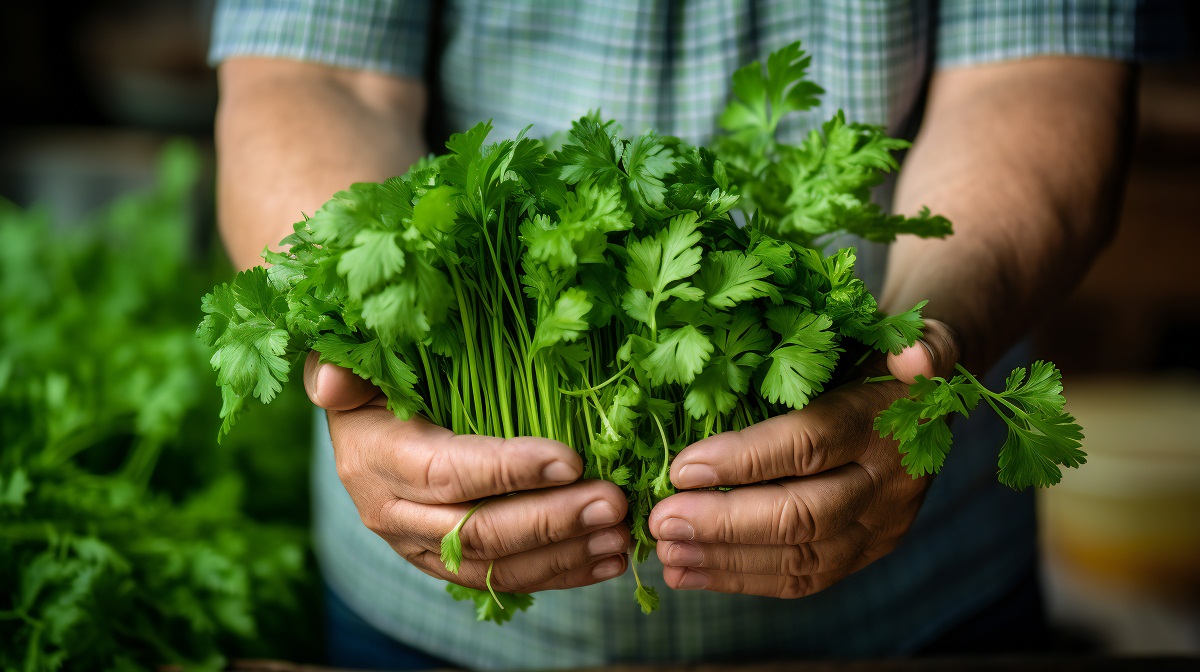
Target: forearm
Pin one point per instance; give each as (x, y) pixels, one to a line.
(1025, 159)
(289, 135)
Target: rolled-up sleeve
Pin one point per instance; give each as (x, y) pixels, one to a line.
(982, 31)
(388, 36)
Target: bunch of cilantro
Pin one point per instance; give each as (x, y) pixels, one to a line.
(125, 536)
(626, 296)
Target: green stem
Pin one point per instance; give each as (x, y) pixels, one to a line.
(600, 386)
(990, 396)
(488, 581)
(879, 379)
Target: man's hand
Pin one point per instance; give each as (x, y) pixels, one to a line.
(823, 494)
(412, 481)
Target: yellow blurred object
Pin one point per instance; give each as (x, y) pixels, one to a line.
(1132, 513)
(1121, 534)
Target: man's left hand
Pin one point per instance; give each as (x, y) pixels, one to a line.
(821, 496)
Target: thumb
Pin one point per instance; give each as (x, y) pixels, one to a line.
(334, 388)
(933, 355)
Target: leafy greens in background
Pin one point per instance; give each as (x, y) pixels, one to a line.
(125, 539)
(627, 296)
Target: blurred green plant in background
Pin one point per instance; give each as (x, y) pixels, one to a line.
(128, 537)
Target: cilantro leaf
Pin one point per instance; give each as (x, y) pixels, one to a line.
(565, 323)
(486, 608)
(678, 356)
(803, 363)
(731, 277)
(762, 98)
(1042, 437)
(647, 160)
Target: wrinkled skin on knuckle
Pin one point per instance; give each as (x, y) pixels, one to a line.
(482, 536)
(544, 529)
(444, 477)
(794, 519)
(798, 561)
(795, 587)
(802, 442)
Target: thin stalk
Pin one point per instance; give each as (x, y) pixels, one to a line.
(599, 386)
(488, 581)
(990, 396)
(879, 379)
(466, 314)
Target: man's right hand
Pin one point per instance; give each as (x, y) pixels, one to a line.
(412, 481)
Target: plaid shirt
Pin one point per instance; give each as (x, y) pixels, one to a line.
(667, 65)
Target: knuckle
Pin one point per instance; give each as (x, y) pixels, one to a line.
(483, 536)
(561, 563)
(802, 439)
(511, 473)
(544, 529)
(375, 518)
(794, 587)
(505, 578)
(421, 558)
(794, 519)
(728, 531)
(443, 478)
(799, 561)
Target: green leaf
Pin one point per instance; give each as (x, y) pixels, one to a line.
(565, 323)
(647, 598)
(803, 363)
(375, 257)
(762, 98)
(372, 360)
(1035, 449)
(486, 608)
(14, 489)
(647, 160)
(729, 278)
(591, 153)
(657, 268)
(452, 551)
(250, 360)
(678, 356)
(715, 391)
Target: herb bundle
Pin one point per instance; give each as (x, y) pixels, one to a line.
(626, 296)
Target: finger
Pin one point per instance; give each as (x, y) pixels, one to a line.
(834, 429)
(567, 564)
(422, 462)
(818, 557)
(504, 526)
(336, 389)
(790, 511)
(786, 587)
(507, 526)
(934, 355)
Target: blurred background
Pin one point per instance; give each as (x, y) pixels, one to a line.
(94, 90)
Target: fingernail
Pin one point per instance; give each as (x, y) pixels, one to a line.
(676, 529)
(599, 512)
(927, 349)
(685, 555)
(693, 580)
(559, 472)
(322, 374)
(696, 476)
(605, 543)
(607, 569)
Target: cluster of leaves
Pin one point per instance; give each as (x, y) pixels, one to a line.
(627, 296)
(124, 537)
